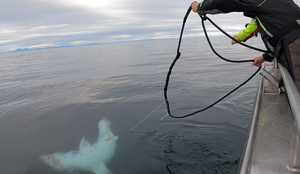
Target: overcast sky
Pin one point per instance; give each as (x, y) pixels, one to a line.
(50, 23)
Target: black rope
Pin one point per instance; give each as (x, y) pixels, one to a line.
(248, 46)
(201, 110)
(212, 48)
(178, 55)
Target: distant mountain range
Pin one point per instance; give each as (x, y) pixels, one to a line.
(65, 46)
(42, 48)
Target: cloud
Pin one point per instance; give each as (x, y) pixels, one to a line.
(27, 23)
(40, 46)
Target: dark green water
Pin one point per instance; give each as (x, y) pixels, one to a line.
(51, 98)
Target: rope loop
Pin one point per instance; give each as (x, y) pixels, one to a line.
(204, 17)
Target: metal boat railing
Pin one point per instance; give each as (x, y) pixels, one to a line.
(245, 160)
(294, 101)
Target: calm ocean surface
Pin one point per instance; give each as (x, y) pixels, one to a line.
(51, 98)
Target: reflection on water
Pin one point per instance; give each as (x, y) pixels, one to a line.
(51, 98)
(193, 147)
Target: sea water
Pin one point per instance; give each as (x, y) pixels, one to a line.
(51, 98)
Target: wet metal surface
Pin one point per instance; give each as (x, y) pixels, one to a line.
(274, 134)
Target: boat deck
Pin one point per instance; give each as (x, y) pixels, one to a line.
(273, 139)
(273, 131)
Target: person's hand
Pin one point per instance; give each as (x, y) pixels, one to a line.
(258, 61)
(194, 6)
(233, 41)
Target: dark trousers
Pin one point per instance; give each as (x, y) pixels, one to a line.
(288, 54)
(294, 49)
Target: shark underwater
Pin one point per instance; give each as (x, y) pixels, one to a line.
(89, 157)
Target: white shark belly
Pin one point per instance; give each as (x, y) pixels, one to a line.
(89, 157)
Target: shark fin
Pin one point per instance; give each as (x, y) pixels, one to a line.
(100, 169)
(84, 144)
(116, 137)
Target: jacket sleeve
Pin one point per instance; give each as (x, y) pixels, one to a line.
(247, 31)
(207, 7)
(268, 57)
(226, 6)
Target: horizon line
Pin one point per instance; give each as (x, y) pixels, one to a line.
(65, 46)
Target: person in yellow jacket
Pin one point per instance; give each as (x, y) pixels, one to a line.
(278, 22)
(250, 31)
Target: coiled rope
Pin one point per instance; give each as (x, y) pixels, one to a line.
(203, 18)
